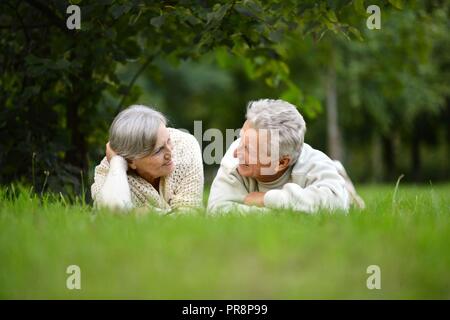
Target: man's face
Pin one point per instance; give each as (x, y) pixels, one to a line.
(253, 153)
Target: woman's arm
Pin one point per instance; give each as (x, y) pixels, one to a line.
(111, 188)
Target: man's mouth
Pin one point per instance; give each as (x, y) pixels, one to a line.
(168, 163)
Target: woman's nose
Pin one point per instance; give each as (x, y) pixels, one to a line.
(168, 155)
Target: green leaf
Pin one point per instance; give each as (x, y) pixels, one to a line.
(218, 13)
(293, 94)
(31, 91)
(119, 10)
(32, 59)
(276, 35)
(61, 64)
(359, 6)
(356, 33)
(311, 106)
(111, 33)
(244, 10)
(332, 16)
(131, 49)
(192, 20)
(157, 22)
(397, 3)
(134, 18)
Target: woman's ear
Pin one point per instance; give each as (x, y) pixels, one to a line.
(131, 164)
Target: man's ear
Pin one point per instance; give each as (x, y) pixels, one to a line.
(284, 162)
(131, 164)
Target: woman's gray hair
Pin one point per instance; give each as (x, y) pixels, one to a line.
(282, 116)
(133, 133)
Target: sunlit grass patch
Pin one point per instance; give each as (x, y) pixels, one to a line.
(277, 255)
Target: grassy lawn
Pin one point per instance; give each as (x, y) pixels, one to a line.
(279, 255)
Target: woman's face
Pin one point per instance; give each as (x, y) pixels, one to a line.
(159, 163)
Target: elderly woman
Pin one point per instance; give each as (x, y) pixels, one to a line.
(148, 165)
(270, 166)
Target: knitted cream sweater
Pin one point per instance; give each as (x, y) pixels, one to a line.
(114, 187)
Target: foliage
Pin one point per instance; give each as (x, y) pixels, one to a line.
(55, 82)
(60, 88)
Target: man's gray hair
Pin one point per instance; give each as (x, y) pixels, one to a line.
(133, 133)
(282, 116)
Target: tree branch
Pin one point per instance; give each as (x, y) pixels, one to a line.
(133, 80)
(24, 26)
(53, 18)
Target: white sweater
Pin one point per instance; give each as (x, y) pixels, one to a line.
(114, 187)
(313, 182)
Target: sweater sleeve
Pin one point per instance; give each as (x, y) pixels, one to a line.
(189, 189)
(111, 188)
(323, 188)
(228, 191)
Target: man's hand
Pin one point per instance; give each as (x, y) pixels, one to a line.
(109, 152)
(255, 199)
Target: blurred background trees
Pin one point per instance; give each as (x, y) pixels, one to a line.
(378, 100)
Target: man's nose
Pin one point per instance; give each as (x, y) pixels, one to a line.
(238, 152)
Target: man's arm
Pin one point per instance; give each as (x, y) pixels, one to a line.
(325, 188)
(228, 192)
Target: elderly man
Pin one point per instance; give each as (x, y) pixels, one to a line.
(270, 166)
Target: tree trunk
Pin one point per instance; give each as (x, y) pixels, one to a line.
(415, 157)
(388, 157)
(447, 138)
(334, 141)
(376, 158)
(76, 155)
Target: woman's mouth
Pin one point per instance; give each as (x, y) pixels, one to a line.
(169, 163)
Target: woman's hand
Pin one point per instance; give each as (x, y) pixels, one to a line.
(109, 152)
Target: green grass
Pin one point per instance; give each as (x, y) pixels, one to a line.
(282, 255)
